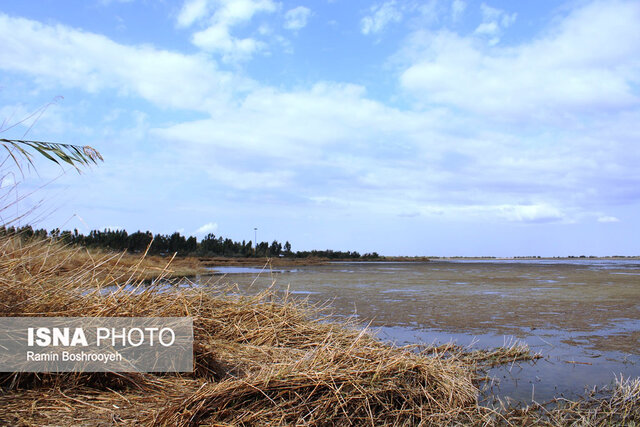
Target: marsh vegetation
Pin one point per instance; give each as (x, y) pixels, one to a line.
(261, 358)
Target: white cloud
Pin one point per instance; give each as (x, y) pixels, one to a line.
(381, 16)
(530, 213)
(242, 179)
(216, 38)
(588, 62)
(331, 142)
(59, 56)
(457, 9)
(210, 227)
(221, 16)
(298, 125)
(537, 213)
(296, 18)
(494, 21)
(191, 12)
(608, 219)
(488, 28)
(499, 16)
(222, 12)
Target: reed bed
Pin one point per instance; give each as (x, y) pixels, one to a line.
(262, 359)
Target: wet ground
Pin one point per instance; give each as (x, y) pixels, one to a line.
(583, 316)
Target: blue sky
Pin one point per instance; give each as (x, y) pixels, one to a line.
(442, 127)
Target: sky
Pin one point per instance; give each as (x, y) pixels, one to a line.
(431, 128)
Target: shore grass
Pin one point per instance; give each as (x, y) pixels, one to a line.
(263, 359)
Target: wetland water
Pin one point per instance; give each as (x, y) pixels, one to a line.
(583, 316)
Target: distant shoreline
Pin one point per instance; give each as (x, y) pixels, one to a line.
(290, 262)
(532, 258)
(154, 266)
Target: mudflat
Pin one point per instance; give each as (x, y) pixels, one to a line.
(511, 298)
(582, 315)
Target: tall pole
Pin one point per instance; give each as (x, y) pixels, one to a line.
(255, 240)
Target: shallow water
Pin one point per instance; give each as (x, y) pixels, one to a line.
(583, 316)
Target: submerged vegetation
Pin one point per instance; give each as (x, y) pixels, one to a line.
(262, 359)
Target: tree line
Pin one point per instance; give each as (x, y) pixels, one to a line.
(161, 244)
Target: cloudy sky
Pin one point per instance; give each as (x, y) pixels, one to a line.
(404, 127)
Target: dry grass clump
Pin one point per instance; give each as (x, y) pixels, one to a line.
(511, 352)
(360, 384)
